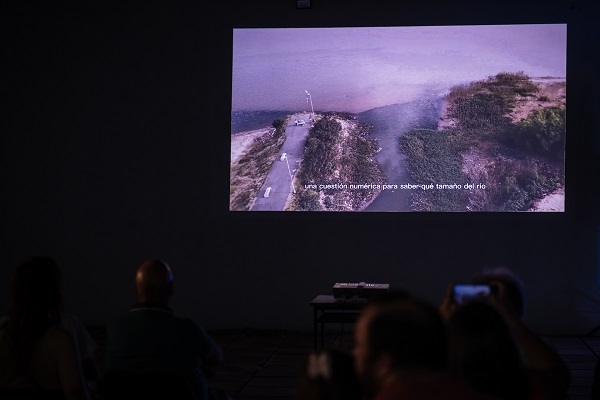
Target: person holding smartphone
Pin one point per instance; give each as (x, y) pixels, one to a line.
(543, 365)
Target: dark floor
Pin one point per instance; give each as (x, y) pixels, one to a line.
(265, 364)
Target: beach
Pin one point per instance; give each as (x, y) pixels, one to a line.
(240, 142)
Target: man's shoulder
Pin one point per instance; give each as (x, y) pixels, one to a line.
(441, 389)
(189, 323)
(158, 316)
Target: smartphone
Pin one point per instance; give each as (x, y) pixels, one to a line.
(464, 292)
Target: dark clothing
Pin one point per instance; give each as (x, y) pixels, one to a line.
(15, 381)
(8, 394)
(150, 339)
(438, 388)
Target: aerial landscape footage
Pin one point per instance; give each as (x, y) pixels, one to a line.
(399, 119)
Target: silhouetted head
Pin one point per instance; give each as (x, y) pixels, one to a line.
(154, 282)
(513, 286)
(483, 351)
(402, 335)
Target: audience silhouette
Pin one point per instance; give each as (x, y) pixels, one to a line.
(547, 374)
(152, 353)
(404, 348)
(513, 289)
(86, 347)
(401, 351)
(484, 353)
(38, 357)
(510, 300)
(328, 375)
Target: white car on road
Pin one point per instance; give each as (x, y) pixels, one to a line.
(300, 122)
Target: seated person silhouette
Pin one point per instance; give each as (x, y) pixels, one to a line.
(152, 353)
(86, 347)
(38, 357)
(510, 300)
(513, 287)
(400, 352)
(542, 362)
(484, 353)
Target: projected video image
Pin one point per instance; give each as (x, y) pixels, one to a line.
(399, 119)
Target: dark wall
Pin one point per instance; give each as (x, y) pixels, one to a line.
(116, 149)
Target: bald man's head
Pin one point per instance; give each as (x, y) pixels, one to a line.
(154, 282)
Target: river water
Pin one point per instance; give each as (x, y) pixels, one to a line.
(389, 123)
(358, 69)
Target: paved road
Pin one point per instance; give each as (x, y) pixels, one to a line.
(279, 176)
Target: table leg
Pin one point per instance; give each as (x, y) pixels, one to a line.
(322, 334)
(315, 317)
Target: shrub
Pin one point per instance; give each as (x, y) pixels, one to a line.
(308, 200)
(542, 132)
(433, 158)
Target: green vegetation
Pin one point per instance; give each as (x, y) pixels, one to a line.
(434, 158)
(513, 183)
(542, 132)
(517, 162)
(481, 108)
(308, 200)
(319, 158)
(248, 175)
(332, 155)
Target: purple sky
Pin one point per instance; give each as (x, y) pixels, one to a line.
(355, 69)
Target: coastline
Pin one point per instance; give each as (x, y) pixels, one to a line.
(551, 203)
(554, 89)
(242, 140)
(552, 92)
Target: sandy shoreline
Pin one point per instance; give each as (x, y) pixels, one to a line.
(241, 141)
(552, 202)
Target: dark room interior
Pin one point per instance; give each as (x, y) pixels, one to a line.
(116, 147)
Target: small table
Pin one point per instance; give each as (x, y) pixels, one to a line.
(328, 309)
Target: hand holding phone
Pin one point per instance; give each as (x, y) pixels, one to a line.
(463, 292)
